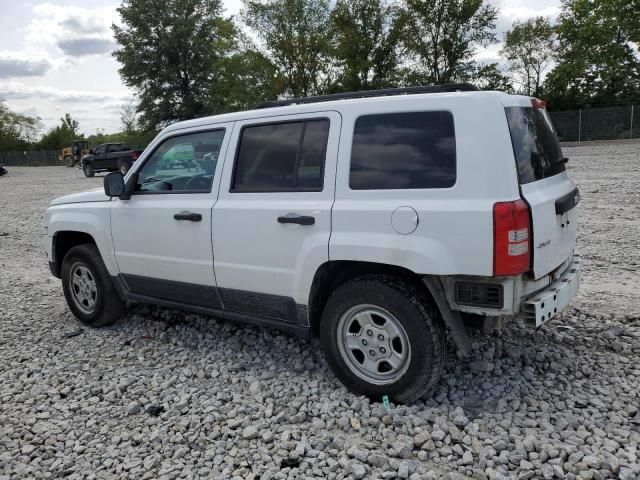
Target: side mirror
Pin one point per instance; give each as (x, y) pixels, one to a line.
(114, 184)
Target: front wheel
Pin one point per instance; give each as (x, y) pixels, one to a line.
(88, 170)
(88, 288)
(382, 337)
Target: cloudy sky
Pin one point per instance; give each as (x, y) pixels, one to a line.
(55, 56)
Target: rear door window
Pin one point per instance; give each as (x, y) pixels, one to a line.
(403, 150)
(535, 144)
(281, 157)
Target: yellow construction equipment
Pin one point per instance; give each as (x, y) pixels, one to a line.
(71, 155)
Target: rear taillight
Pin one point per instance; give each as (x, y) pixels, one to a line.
(511, 238)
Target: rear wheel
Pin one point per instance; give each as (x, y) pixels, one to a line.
(124, 166)
(382, 337)
(88, 170)
(68, 161)
(88, 288)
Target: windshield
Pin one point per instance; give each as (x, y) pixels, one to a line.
(535, 144)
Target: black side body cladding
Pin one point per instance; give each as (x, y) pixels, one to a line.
(451, 318)
(54, 265)
(260, 304)
(272, 311)
(192, 294)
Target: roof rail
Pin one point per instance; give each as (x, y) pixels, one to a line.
(384, 92)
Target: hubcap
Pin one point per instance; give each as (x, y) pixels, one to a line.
(84, 290)
(374, 344)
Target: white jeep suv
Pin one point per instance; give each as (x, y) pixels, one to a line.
(374, 221)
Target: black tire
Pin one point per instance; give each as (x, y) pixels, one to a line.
(88, 170)
(108, 305)
(420, 320)
(68, 161)
(124, 166)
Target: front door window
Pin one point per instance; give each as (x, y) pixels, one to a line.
(184, 164)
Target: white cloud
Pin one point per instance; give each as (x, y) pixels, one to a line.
(19, 91)
(510, 11)
(75, 31)
(77, 47)
(22, 64)
(489, 54)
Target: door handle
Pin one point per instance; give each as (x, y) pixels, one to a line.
(298, 219)
(192, 217)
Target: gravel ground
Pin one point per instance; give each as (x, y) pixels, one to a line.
(167, 395)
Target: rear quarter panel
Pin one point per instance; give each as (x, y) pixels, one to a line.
(455, 225)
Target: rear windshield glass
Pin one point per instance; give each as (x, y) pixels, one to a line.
(535, 144)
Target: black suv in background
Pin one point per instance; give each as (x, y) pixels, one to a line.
(109, 157)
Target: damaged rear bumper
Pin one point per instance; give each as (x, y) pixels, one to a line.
(542, 306)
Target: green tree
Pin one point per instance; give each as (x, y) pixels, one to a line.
(489, 77)
(61, 135)
(530, 47)
(597, 63)
(129, 118)
(244, 80)
(17, 131)
(295, 35)
(168, 51)
(441, 36)
(366, 37)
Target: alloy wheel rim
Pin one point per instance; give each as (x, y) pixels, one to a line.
(374, 344)
(83, 288)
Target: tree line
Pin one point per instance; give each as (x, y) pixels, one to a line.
(22, 132)
(185, 58)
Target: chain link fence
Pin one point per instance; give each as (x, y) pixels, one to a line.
(30, 158)
(607, 123)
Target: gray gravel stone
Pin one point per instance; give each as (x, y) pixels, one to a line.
(250, 432)
(420, 439)
(377, 460)
(358, 470)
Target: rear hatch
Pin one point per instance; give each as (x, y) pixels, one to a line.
(544, 185)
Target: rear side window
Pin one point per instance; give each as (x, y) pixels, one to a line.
(535, 144)
(281, 157)
(403, 150)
